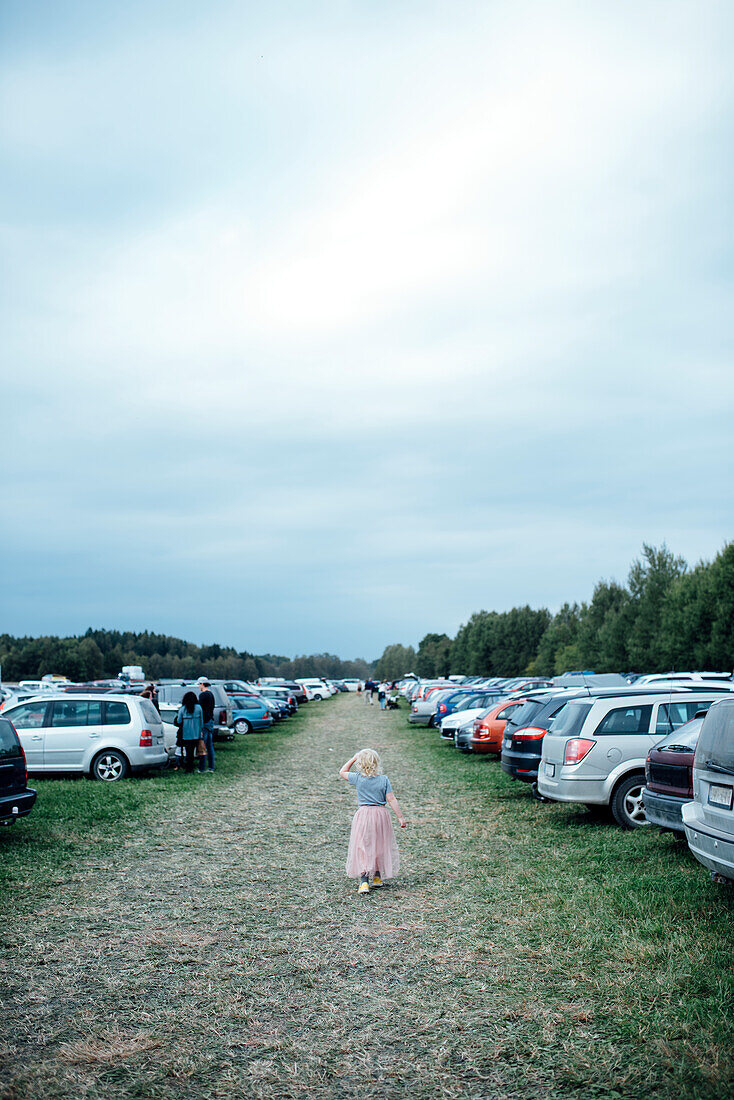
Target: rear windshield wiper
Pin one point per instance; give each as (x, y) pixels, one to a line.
(719, 768)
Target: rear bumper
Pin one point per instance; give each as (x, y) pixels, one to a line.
(484, 744)
(521, 765)
(713, 849)
(664, 810)
(17, 805)
(590, 791)
(420, 719)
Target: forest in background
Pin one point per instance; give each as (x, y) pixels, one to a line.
(667, 616)
(101, 654)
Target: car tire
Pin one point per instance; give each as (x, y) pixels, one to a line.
(242, 726)
(626, 804)
(110, 766)
(317, 698)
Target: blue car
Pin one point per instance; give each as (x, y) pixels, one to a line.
(250, 713)
(465, 700)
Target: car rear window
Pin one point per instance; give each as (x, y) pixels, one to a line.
(570, 719)
(685, 737)
(151, 715)
(523, 714)
(9, 743)
(118, 714)
(716, 743)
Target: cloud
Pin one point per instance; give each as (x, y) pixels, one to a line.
(406, 302)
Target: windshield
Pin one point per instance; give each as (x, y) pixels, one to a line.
(570, 719)
(716, 742)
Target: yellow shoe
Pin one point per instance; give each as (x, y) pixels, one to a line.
(364, 886)
(377, 881)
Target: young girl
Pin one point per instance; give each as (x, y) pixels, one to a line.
(373, 851)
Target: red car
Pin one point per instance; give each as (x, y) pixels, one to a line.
(486, 735)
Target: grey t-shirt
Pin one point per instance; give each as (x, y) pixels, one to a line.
(371, 790)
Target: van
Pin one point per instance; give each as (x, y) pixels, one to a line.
(596, 749)
(709, 818)
(103, 736)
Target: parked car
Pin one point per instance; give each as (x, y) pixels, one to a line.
(522, 744)
(596, 751)
(669, 776)
(170, 697)
(16, 797)
(315, 689)
(423, 711)
(486, 731)
(709, 818)
(250, 714)
(103, 736)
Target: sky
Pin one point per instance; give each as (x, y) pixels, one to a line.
(327, 324)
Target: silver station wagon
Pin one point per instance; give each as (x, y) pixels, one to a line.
(103, 736)
(596, 748)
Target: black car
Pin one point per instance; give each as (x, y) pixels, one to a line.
(16, 799)
(522, 744)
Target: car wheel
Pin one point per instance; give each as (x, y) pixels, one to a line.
(317, 698)
(242, 726)
(627, 806)
(110, 766)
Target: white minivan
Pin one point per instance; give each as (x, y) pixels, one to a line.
(103, 736)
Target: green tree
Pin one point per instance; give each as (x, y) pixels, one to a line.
(650, 581)
(432, 658)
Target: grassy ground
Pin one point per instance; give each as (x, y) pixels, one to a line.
(198, 938)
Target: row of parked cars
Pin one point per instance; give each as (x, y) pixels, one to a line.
(108, 730)
(655, 751)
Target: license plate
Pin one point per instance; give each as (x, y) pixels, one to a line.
(550, 769)
(721, 796)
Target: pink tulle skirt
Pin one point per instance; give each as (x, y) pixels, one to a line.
(372, 845)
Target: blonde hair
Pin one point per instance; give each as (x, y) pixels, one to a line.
(368, 762)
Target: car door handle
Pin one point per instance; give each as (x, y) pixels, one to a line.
(37, 737)
(94, 735)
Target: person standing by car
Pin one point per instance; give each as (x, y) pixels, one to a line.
(191, 720)
(206, 701)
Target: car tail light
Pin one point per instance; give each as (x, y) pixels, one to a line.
(481, 731)
(222, 718)
(414, 708)
(442, 708)
(576, 749)
(529, 733)
(146, 739)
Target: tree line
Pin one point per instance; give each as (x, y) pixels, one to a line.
(667, 617)
(100, 654)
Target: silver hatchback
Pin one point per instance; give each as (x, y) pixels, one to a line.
(595, 750)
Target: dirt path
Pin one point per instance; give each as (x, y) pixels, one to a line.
(227, 954)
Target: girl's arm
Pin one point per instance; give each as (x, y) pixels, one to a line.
(396, 808)
(344, 772)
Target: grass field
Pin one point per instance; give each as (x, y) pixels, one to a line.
(186, 937)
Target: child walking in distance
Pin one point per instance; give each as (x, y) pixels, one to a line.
(373, 850)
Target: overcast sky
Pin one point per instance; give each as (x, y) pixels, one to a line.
(326, 324)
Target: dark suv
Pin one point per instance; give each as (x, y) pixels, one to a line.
(16, 799)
